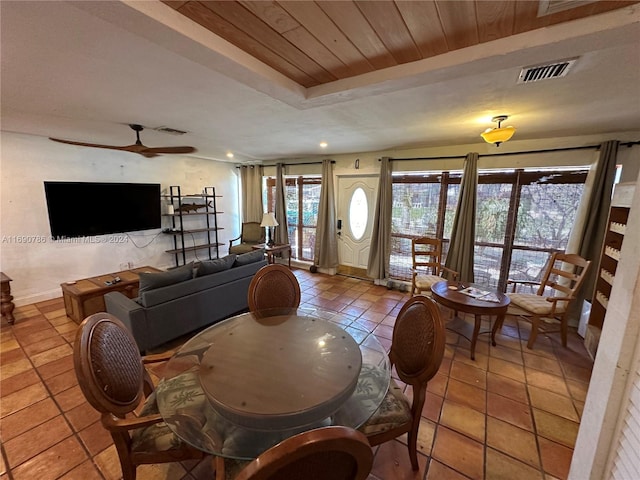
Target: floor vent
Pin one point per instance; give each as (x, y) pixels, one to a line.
(535, 73)
(169, 130)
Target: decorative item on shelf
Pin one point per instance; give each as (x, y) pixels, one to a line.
(269, 221)
(499, 134)
(170, 209)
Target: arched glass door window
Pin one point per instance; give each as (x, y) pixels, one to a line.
(358, 213)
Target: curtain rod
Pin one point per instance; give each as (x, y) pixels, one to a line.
(285, 164)
(563, 149)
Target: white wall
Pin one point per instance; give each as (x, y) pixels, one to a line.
(38, 268)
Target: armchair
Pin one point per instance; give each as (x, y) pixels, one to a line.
(251, 234)
(562, 279)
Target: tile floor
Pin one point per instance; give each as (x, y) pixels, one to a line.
(513, 413)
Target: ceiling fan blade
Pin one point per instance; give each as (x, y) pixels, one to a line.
(169, 149)
(95, 145)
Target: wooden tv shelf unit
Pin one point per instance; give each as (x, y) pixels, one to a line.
(86, 297)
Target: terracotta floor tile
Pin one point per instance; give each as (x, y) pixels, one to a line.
(44, 345)
(9, 343)
(165, 471)
(85, 471)
(507, 369)
(503, 467)
(463, 420)
(579, 407)
(82, 416)
(459, 452)
(56, 367)
(507, 387)
(574, 372)
(463, 355)
(37, 336)
(28, 418)
(555, 428)
(438, 384)
(95, 438)
(513, 441)
(22, 398)
(384, 331)
(53, 462)
(552, 402)
(18, 382)
(15, 368)
(392, 461)
(578, 390)
(468, 374)
(426, 433)
(509, 411)
(506, 341)
(547, 381)
(62, 382)
(36, 441)
(465, 394)
(67, 327)
(438, 471)
(108, 463)
(14, 355)
(556, 458)
(549, 365)
(432, 407)
(508, 354)
(70, 398)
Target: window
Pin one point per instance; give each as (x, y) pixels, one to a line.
(522, 216)
(302, 197)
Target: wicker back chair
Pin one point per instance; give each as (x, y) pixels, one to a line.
(329, 453)
(416, 352)
(272, 287)
(114, 381)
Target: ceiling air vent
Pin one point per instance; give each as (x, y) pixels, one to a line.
(549, 7)
(535, 73)
(169, 130)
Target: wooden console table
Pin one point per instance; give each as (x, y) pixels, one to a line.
(86, 297)
(6, 299)
(270, 251)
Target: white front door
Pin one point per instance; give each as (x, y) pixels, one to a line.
(356, 204)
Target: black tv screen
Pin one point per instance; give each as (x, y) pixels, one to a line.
(81, 209)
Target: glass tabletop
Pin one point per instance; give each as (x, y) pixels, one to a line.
(247, 383)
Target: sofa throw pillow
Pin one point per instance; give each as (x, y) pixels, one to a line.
(247, 258)
(208, 267)
(151, 281)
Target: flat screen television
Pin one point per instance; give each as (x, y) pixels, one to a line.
(81, 209)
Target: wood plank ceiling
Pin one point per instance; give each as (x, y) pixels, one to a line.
(318, 42)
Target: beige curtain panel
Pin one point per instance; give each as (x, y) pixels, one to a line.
(460, 256)
(282, 230)
(587, 239)
(251, 186)
(326, 244)
(380, 253)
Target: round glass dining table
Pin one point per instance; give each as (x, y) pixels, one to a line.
(246, 383)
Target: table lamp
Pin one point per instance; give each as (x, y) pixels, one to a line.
(269, 221)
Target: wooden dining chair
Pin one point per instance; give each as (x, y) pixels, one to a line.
(329, 453)
(417, 348)
(427, 267)
(113, 379)
(273, 287)
(561, 281)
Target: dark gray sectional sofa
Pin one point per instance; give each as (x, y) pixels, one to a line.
(173, 303)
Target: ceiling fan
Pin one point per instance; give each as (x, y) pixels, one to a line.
(137, 147)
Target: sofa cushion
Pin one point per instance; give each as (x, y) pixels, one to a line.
(151, 281)
(207, 267)
(247, 258)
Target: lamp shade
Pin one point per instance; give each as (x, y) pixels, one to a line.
(499, 134)
(269, 220)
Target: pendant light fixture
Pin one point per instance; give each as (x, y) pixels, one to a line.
(499, 134)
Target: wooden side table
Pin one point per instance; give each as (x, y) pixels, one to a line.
(6, 299)
(86, 296)
(270, 251)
